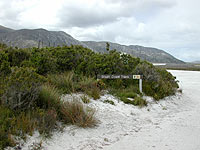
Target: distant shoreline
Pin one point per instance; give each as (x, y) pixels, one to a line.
(187, 66)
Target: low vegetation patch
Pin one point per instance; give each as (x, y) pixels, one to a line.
(109, 101)
(85, 99)
(76, 113)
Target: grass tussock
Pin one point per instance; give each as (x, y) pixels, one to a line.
(64, 81)
(22, 123)
(68, 83)
(49, 97)
(85, 99)
(127, 93)
(138, 101)
(109, 102)
(90, 86)
(76, 113)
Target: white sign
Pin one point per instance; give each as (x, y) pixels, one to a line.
(136, 77)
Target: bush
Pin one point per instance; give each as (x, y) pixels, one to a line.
(109, 101)
(17, 56)
(13, 123)
(22, 88)
(138, 101)
(63, 81)
(4, 64)
(127, 101)
(49, 97)
(47, 122)
(76, 113)
(85, 99)
(89, 86)
(157, 83)
(5, 119)
(43, 61)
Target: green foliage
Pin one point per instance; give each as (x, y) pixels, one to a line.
(85, 99)
(157, 83)
(5, 117)
(47, 123)
(64, 81)
(3, 46)
(4, 64)
(76, 113)
(22, 123)
(89, 86)
(109, 101)
(43, 61)
(127, 101)
(17, 56)
(127, 94)
(49, 97)
(22, 88)
(138, 101)
(107, 46)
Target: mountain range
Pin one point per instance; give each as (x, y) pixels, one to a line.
(25, 38)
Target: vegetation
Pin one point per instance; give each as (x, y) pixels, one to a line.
(33, 80)
(109, 101)
(85, 99)
(75, 113)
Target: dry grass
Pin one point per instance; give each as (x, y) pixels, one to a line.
(76, 113)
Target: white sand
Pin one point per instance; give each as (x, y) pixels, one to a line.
(170, 124)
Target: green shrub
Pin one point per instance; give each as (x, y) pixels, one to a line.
(109, 101)
(5, 119)
(127, 101)
(47, 122)
(43, 61)
(20, 124)
(85, 99)
(94, 92)
(22, 88)
(85, 83)
(138, 101)
(17, 56)
(157, 82)
(49, 97)
(127, 94)
(4, 64)
(89, 86)
(63, 81)
(75, 113)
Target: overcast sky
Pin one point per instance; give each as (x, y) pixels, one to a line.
(171, 25)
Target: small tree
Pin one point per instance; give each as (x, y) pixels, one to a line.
(107, 46)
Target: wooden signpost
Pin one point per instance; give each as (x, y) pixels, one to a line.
(138, 77)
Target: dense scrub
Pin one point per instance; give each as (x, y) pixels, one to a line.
(33, 80)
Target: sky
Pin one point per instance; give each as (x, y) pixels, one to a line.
(170, 25)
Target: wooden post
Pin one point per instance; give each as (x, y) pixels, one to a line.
(140, 85)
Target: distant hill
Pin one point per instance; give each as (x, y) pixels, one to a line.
(25, 38)
(4, 29)
(153, 55)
